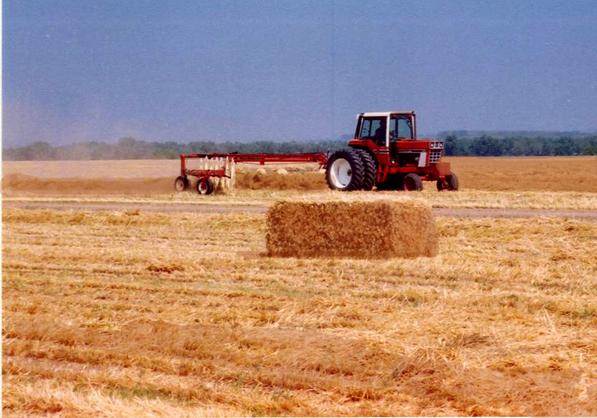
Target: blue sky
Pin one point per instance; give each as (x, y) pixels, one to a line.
(242, 70)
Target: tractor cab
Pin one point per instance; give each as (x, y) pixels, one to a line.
(394, 135)
(386, 128)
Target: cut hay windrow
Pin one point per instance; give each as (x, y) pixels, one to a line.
(274, 180)
(372, 229)
(262, 180)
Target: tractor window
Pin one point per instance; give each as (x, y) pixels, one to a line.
(374, 128)
(365, 129)
(400, 128)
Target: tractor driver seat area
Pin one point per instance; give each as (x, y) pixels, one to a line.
(380, 131)
(374, 128)
(380, 135)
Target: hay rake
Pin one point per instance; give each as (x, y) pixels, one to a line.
(218, 170)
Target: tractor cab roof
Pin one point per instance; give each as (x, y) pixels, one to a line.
(380, 114)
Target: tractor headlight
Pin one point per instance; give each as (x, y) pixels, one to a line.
(437, 145)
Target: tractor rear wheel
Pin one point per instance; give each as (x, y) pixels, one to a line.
(412, 182)
(205, 186)
(345, 170)
(370, 168)
(181, 183)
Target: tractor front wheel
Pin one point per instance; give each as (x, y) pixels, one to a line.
(452, 180)
(412, 182)
(345, 170)
(451, 183)
(205, 186)
(181, 183)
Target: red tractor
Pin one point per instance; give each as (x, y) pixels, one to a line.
(385, 153)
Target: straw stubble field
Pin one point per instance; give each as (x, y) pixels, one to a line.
(118, 313)
(135, 313)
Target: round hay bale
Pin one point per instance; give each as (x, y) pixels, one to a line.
(259, 175)
(281, 172)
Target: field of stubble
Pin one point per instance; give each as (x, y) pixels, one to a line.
(134, 313)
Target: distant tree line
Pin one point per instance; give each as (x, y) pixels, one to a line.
(130, 148)
(520, 146)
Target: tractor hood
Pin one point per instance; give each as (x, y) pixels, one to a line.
(433, 143)
(420, 144)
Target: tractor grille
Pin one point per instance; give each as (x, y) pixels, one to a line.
(435, 156)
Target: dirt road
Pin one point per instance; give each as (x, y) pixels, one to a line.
(244, 208)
